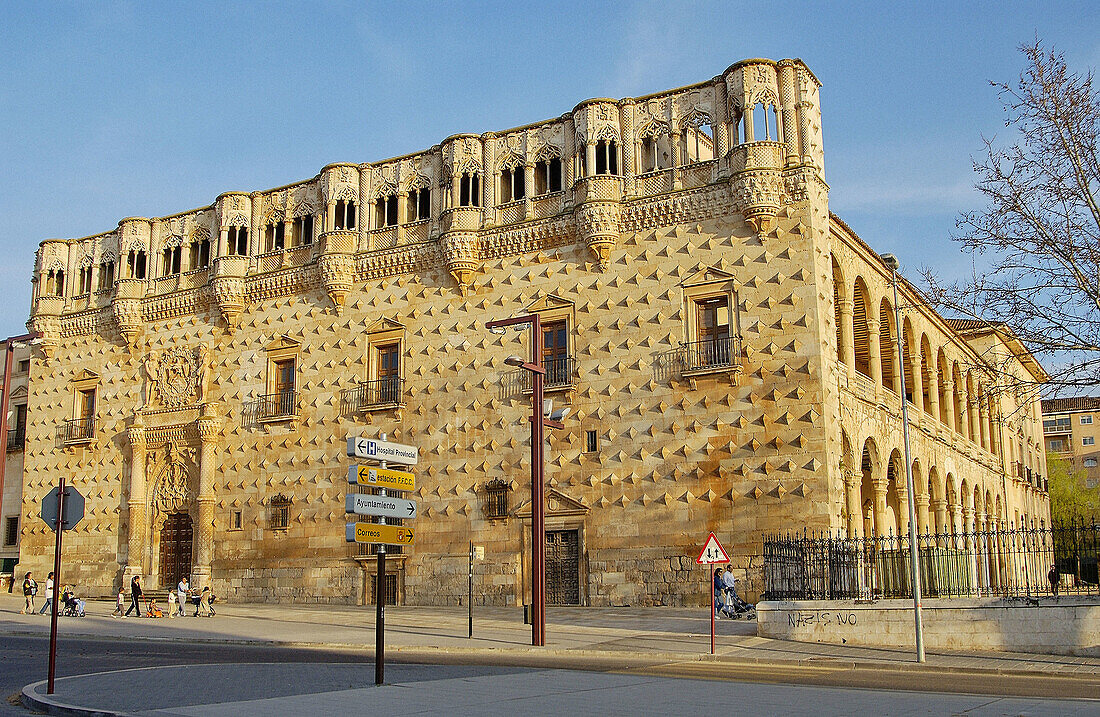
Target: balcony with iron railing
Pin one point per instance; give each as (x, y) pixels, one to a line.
(279, 406)
(712, 355)
(78, 430)
(16, 438)
(374, 395)
(560, 371)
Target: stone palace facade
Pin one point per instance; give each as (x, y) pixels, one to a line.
(726, 346)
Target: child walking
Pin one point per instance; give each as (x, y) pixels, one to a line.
(120, 603)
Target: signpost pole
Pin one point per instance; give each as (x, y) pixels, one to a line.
(470, 589)
(710, 588)
(380, 605)
(56, 582)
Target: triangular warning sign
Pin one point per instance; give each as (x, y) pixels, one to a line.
(712, 552)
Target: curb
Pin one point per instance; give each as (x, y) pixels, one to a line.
(32, 700)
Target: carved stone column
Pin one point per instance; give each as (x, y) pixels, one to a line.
(852, 481)
(137, 522)
(875, 351)
(903, 505)
(719, 125)
(569, 152)
(209, 425)
(923, 525)
(880, 487)
(939, 506)
(675, 139)
(847, 348)
(630, 145)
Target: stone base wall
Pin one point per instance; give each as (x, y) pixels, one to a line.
(1060, 626)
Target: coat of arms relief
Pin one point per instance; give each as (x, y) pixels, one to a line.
(175, 377)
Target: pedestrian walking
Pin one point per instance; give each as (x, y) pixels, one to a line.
(135, 597)
(182, 591)
(204, 609)
(734, 604)
(171, 604)
(49, 594)
(30, 589)
(1052, 578)
(719, 591)
(120, 603)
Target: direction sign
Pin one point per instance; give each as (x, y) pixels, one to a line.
(712, 552)
(74, 508)
(382, 451)
(375, 533)
(381, 506)
(381, 478)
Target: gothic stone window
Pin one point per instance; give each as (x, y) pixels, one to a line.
(548, 176)
(301, 230)
(238, 241)
(419, 205)
(512, 184)
(345, 214)
(607, 157)
(200, 254)
(496, 498)
(385, 211)
(280, 512)
(469, 190)
(711, 322)
(275, 235)
(172, 257)
(136, 264)
(106, 274)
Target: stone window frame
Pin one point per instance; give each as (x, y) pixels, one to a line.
(277, 352)
(497, 503)
(552, 309)
(706, 284)
(236, 520)
(1086, 420)
(279, 512)
(11, 530)
(384, 332)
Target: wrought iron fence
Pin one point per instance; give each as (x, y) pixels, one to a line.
(716, 353)
(277, 405)
(1009, 562)
(371, 394)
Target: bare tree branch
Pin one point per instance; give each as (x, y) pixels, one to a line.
(1039, 232)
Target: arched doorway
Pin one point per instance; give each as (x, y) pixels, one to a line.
(176, 545)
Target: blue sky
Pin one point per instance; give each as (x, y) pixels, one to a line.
(118, 109)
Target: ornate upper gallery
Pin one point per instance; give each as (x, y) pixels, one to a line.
(753, 132)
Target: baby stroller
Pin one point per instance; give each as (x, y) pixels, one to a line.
(71, 606)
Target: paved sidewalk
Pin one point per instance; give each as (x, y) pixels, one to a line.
(661, 640)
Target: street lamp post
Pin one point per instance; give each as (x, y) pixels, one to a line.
(891, 262)
(538, 517)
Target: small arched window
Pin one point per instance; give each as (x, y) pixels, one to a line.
(276, 236)
(385, 211)
(136, 263)
(607, 157)
(106, 274)
(418, 206)
(200, 254)
(548, 176)
(345, 214)
(469, 190)
(238, 241)
(512, 184)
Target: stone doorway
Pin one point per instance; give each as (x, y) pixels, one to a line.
(563, 567)
(176, 545)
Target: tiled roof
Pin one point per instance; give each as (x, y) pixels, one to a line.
(969, 324)
(1070, 405)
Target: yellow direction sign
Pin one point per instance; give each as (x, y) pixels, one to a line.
(375, 533)
(381, 477)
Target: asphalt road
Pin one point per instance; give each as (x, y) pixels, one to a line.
(682, 688)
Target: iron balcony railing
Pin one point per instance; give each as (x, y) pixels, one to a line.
(76, 430)
(984, 563)
(382, 392)
(559, 373)
(16, 438)
(723, 352)
(283, 404)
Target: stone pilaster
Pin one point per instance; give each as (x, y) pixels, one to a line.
(137, 521)
(880, 488)
(209, 425)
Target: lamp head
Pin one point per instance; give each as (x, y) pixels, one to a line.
(514, 361)
(890, 261)
(547, 406)
(498, 330)
(560, 414)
